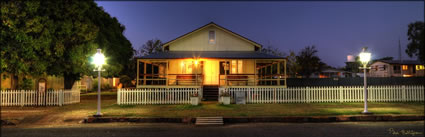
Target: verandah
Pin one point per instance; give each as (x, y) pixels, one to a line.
(222, 72)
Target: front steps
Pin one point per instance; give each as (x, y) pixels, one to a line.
(210, 92)
(209, 121)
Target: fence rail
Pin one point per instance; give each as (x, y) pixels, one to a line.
(35, 98)
(327, 94)
(157, 95)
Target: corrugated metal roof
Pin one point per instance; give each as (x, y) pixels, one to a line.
(211, 54)
(407, 62)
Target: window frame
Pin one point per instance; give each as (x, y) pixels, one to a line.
(209, 37)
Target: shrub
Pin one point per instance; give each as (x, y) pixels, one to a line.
(107, 87)
(126, 81)
(94, 85)
(26, 84)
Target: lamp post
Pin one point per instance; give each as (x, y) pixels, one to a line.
(365, 58)
(98, 61)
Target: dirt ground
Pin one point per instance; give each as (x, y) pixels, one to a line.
(53, 115)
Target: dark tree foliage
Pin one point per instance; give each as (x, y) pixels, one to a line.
(151, 46)
(292, 65)
(117, 48)
(273, 51)
(308, 61)
(58, 38)
(416, 36)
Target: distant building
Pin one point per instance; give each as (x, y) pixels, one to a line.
(396, 68)
(331, 73)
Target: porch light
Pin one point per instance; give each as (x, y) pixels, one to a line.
(98, 61)
(196, 62)
(365, 58)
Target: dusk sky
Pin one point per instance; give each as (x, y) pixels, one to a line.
(337, 29)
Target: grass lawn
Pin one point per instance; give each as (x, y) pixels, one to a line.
(110, 108)
(75, 112)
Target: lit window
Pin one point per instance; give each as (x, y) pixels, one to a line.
(237, 67)
(404, 67)
(211, 37)
(240, 66)
(234, 67)
(186, 67)
(419, 67)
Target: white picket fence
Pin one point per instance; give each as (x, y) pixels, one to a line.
(327, 94)
(157, 95)
(35, 98)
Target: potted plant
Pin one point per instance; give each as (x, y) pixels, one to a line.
(194, 99)
(225, 98)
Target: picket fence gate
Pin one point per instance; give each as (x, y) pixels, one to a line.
(35, 98)
(156, 95)
(389, 93)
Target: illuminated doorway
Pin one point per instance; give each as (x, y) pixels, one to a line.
(211, 72)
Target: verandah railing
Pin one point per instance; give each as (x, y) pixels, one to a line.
(36, 98)
(394, 93)
(172, 95)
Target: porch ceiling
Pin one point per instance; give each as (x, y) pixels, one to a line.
(211, 54)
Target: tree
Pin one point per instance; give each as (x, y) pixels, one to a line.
(117, 48)
(292, 65)
(273, 51)
(58, 38)
(308, 61)
(24, 38)
(416, 36)
(151, 46)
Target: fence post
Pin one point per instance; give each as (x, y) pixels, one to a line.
(403, 88)
(60, 97)
(119, 96)
(22, 98)
(340, 94)
(307, 91)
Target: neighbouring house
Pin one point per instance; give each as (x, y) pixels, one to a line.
(396, 68)
(42, 82)
(211, 57)
(331, 73)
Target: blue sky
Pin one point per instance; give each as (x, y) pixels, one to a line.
(337, 29)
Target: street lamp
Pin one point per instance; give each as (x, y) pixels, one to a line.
(365, 58)
(98, 61)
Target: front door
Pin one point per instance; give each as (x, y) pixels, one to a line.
(211, 72)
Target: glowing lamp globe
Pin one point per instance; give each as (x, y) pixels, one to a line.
(365, 57)
(98, 58)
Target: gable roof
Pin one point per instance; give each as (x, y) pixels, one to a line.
(218, 26)
(403, 62)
